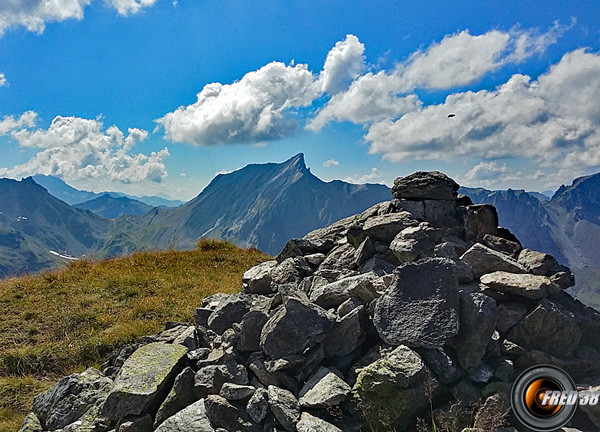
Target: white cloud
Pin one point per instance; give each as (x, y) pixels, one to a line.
(10, 123)
(330, 163)
(457, 60)
(366, 178)
(488, 174)
(34, 14)
(250, 110)
(554, 121)
(3, 81)
(74, 148)
(344, 62)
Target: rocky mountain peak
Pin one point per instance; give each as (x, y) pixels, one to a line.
(382, 320)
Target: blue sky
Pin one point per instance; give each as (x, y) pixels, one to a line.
(157, 96)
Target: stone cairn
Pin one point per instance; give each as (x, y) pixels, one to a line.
(419, 310)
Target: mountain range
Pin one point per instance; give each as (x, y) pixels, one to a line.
(264, 206)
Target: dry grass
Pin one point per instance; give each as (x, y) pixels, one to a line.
(64, 321)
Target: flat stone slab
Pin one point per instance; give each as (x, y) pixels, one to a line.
(324, 389)
(142, 379)
(484, 260)
(191, 418)
(423, 185)
(524, 285)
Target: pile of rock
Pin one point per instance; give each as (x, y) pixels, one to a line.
(418, 308)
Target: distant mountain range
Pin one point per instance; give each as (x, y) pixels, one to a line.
(264, 206)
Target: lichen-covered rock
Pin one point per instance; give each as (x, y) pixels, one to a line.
(323, 389)
(180, 396)
(31, 424)
(72, 398)
(310, 423)
(524, 285)
(142, 379)
(396, 380)
(484, 260)
(284, 406)
(191, 418)
(420, 308)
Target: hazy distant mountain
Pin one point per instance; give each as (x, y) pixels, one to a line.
(566, 226)
(261, 205)
(61, 190)
(38, 230)
(113, 207)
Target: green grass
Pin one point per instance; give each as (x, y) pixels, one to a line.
(64, 321)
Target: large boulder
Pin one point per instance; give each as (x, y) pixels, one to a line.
(280, 336)
(72, 398)
(230, 311)
(258, 278)
(143, 379)
(484, 260)
(420, 307)
(524, 285)
(421, 185)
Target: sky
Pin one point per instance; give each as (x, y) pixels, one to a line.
(155, 97)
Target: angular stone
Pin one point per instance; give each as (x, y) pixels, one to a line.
(228, 312)
(31, 424)
(548, 328)
(477, 324)
(479, 220)
(232, 391)
(509, 314)
(396, 380)
(315, 259)
(423, 185)
(258, 405)
(438, 209)
(503, 245)
(188, 339)
(258, 279)
(364, 251)
(143, 377)
(310, 423)
(442, 364)
(137, 424)
(335, 293)
(340, 258)
(323, 389)
(410, 243)
(524, 285)
(280, 336)
(201, 316)
(465, 392)
(592, 411)
(210, 379)
(385, 227)
(415, 208)
(284, 406)
(537, 263)
(346, 335)
(484, 260)
(251, 327)
(264, 376)
(420, 308)
(377, 265)
(227, 416)
(300, 247)
(191, 418)
(180, 396)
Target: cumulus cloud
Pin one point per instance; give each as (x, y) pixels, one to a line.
(344, 62)
(3, 81)
(457, 60)
(366, 178)
(34, 14)
(330, 163)
(491, 173)
(554, 121)
(252, 109)
(75, 148)
(10, 123)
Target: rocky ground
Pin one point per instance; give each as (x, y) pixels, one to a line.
(417, 313)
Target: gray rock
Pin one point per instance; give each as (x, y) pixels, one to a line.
(258, 279)
(524, 285)
(346, 335)
(415, 208)
(70, 399)
(191, 418)
(31, 424)
(310, 423)
(334, 232)
(188, 339)
(509, 314)
(364, 251)
(258, 405)
(548, 328)
(410, 243)
(141, 423)
(537, 263)
(477, 323)
(340, 258)
(349, 305)
(442, 363)
(284, 406)
(505, 370)
(484, 260)
(385, 227)
(438, 209)
(227, 416)
(210, 379)
(300, 247)
(377, 265)
(323, 389)
(280, 336)
(264, 376)
(503, 245)
(180, 396)
(422, 185)
(465, 392)
(479, 220)
(592, 411)
(315, 259)
(232, 391)
(284, 363)
(396, 380)
(464, 271)
(142, 379)
(251, 327)
(335, 293)
(420, 308)
(228, 312)
(482, 374)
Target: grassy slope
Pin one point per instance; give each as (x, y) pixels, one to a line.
(64, 321)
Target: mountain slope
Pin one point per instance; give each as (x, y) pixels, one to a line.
(259, 205)
(112, 207)
(38, 230)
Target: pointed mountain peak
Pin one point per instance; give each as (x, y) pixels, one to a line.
(297, 161)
